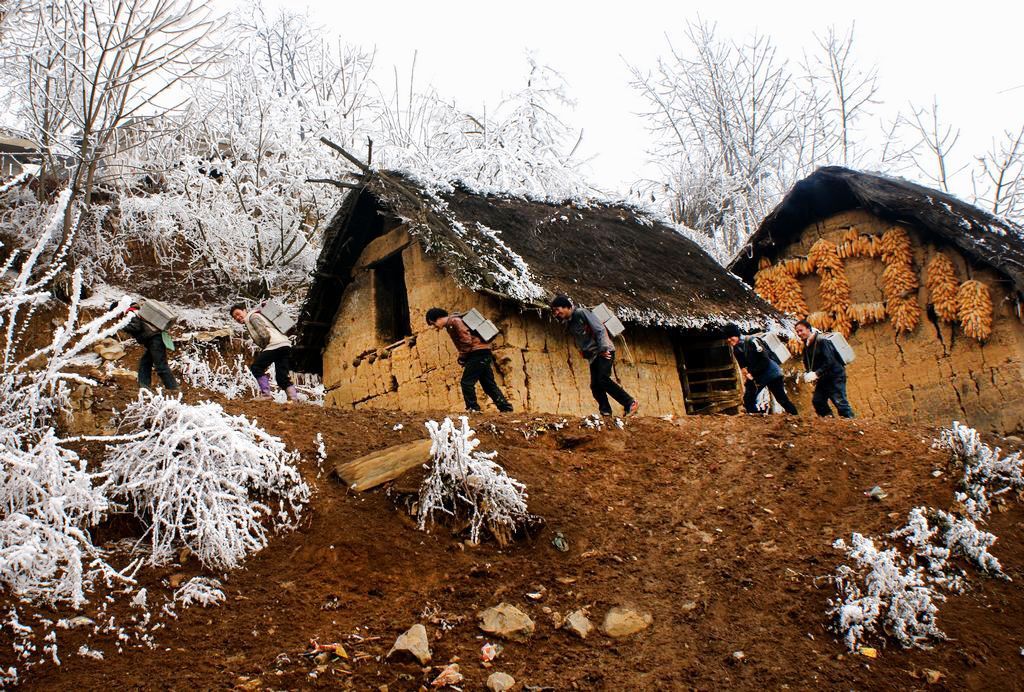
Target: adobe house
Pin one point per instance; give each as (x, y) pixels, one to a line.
(926, 287)
(397, 248)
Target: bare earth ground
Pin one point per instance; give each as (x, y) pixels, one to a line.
(733, 514)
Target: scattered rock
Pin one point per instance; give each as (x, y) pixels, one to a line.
(579, 624)
(413, 642)
(505, 620)
(688, 607)
(560, 542)
(932, 677)
(738, 656)
(449, 676)
(489, 652)
(500, 682)
(109, 349)
(622, 621)
(175, 580)
(877, 494)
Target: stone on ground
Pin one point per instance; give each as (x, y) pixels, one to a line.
(413, 642)
(500, 682)
(507, 621)
(622, 621)
(579, 624)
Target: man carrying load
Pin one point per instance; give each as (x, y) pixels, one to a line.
(760, 369)
(474, 356)
(595, 344)
(826, 369)
(275, 349)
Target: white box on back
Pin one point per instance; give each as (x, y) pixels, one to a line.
(612, 323)
(842, 345)
(274, 312)
(777, 345)
(157, 314)
(480, 325)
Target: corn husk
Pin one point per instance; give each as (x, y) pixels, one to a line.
(942, 283)
(974, 309)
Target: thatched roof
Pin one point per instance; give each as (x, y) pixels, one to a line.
(526, 251)
(984, 238)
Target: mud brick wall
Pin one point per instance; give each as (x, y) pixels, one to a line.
(538, 367)
(934, 374)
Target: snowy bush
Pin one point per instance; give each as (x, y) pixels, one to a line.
(986, 473)
(463, 482)
(202, 590)
(47, 497)
(883, 592)
(203, 367)
(200, 477)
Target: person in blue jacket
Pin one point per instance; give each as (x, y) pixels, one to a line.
(826, 369)
(760, 368)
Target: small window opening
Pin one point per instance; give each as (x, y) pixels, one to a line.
(391, 299)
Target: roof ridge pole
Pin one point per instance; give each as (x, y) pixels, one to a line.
(352, 159)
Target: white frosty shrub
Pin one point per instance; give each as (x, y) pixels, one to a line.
(202, 590)
(203, 367)
(200, 477)
(883, 592)
(47, 498)
(986, 473)
(464, 482)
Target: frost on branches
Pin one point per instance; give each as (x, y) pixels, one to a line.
(882, 591)
(199, 590)
(202, 478)
(47, 497)
(465, 483)
(986, 473)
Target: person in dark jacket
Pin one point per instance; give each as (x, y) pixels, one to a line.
(825, 367)
(154, 354)
(474, 356)
(275, 349)
(595, 344)
(759, 368)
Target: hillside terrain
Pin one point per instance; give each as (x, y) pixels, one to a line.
(718, 527)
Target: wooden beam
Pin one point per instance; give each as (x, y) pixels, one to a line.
(352, 159)
(382, 466)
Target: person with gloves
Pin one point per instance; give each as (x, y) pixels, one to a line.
(275, 349)
(760, 369)
(595, 344)
(826, 369)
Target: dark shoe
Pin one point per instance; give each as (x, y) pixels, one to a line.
(472, 410)
(633, 407)
(606, 414)
(505, 409)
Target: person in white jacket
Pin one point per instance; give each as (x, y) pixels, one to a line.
(275, 349)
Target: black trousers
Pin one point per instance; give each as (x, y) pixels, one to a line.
(155, 356)
(280, 358)
(834, 391)
(602, 385)
(477, 368)
(778, 389)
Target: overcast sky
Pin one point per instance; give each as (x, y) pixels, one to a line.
(967, 55)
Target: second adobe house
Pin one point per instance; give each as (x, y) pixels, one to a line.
(926, 287)
(399, 246)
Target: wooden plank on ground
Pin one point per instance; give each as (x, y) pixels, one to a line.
(384, 465)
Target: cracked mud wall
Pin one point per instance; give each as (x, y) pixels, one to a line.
(934, 374)
(537, 365)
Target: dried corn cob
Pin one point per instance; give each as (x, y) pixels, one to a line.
(942, 286)
(974, 308)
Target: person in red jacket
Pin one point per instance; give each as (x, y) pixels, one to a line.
(474, 356)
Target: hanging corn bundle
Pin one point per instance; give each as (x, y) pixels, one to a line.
(795, 346)
(824, 255)
(842, 324)
(848, 244)
(821, 321)
(899, 281)
(974, 308)
(765, 283)
(835, 291)
(904, 312)
(942, 286)
(806, 267)
(789, 296)
(793, 266)
(867, 313)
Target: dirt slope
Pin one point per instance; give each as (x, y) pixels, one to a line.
(720, 527)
